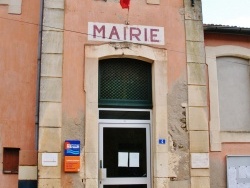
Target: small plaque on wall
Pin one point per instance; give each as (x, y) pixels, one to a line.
(72, 148)
(199, 160)
(49, 159)
(72, 164)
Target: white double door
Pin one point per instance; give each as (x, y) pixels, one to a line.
(124, 155)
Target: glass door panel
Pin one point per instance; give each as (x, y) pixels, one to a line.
(124, 152)
(124, 155)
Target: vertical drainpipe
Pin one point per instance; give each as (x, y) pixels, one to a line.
(39, 55)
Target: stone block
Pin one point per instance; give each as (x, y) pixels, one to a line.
(27, 173)
(199, 141)
(4, 2)
(28, 157)
(91, 165)
(195, 52)
(91, 80)
(53, 19)
(50, 114)
(160, 84)
(160, 116)
(52, 172)
(193, 13)
(198, 118)
(160, 128)
(52, 42)
(200, 182)
(197, 95)
(141, 52)
(161, 165)
(154, 2)
(91, 183)
(234, 137)
(215, 146)
(49, 183)
(15, 2)
(54, 4)
(215, 140)
(194, 30)
(179, 184)
(200, 172)
(160, 182)
(51, 65)
(15, 7)
(91, 130)
(197, 73)
(199, 160)
(49, 139)
(51, 89)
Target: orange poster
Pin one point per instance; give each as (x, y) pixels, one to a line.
(72, 163)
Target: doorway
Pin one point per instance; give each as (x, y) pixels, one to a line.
(125, 100)
(124, 150)
(157, 58)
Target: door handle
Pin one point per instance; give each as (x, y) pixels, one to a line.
(100, 163)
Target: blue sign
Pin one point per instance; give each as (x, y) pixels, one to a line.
(72, 148)
(162, 141)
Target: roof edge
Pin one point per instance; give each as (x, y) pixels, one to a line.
(211, 28)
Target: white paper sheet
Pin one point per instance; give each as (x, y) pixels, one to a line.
(122, 159)
(134, 160)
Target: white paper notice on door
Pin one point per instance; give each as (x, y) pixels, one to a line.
(134, 160)
(122, 159)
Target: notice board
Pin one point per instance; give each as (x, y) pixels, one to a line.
(238, 171)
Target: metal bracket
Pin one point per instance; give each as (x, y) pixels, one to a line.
(192, 3)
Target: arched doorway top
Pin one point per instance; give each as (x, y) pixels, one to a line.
(128, 50)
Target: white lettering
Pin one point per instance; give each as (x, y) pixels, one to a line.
(73, 146)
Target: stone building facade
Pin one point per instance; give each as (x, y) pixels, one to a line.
(133, 86)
